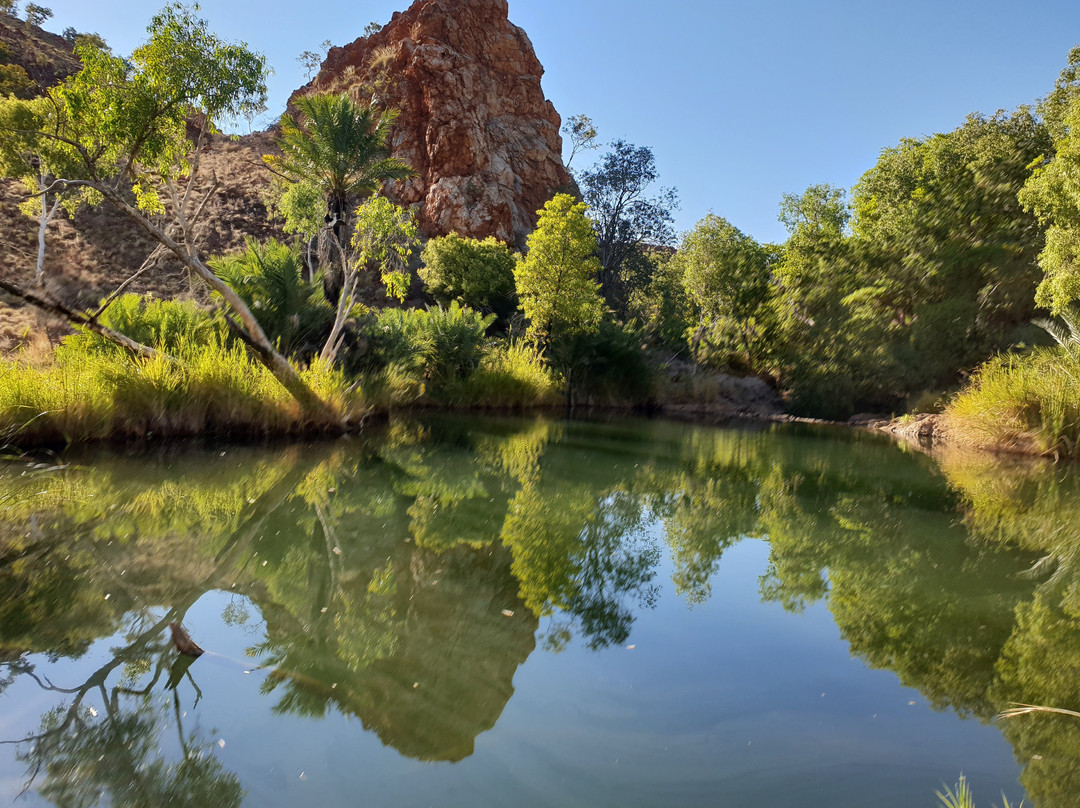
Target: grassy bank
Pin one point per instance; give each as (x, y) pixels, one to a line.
(79, 395)
(1028, 403)
(204, 383)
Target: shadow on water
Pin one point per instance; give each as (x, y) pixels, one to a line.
(404, 578)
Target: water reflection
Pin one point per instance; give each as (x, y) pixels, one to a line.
(402, 580)
(114, 755)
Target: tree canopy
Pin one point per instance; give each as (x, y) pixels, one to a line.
(625, 216)
(1053, 194)
(726, 274)
(478, 274)
(555, 280)
(338, 147)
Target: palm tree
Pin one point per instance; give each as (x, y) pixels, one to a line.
(338, 147)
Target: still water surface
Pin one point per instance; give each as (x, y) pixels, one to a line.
(467, 612)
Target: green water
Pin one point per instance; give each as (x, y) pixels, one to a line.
(469, 612)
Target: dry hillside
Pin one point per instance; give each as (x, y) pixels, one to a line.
(88, 256)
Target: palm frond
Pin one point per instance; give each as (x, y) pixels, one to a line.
(1067, 332)
(339, 145)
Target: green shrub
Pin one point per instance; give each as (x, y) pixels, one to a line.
(477, 274)
(270, 278)
(510, 376)
(440, 345)
(661, 304)
(165, 324)
(604, 366)
(14, 80)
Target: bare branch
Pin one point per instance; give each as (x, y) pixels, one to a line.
(151, 260)
(81, 319)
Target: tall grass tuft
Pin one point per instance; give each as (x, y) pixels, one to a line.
(212, 387)
(510, 376)
(1029, 402)
(962, 797)
(164, 324)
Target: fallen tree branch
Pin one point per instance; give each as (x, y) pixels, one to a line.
(80, 319)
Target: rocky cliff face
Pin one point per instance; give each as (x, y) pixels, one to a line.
(474, 122)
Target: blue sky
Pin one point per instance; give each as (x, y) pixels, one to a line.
(740, 102)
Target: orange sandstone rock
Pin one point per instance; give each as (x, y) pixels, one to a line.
(473, 123)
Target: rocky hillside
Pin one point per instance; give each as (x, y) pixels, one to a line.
(44, 58)
(474, 122)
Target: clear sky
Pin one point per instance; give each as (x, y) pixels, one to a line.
(740, 102)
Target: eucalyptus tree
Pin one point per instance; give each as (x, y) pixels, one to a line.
(582, 133)
(623, 214)
(121, 128)
(727, 275)
(37, 162)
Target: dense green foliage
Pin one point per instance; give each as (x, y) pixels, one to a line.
(441, 344)
(477, 274)
(1053, 193)
(727, 276)
(171, 325)
(269, 277)
(659, 303)
(383, 238)
(937, 273)
(339, 148)
(1032, 401)
(556, 278)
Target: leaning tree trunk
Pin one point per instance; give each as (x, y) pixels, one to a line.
(313, 406)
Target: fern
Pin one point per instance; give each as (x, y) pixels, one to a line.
(270, 279)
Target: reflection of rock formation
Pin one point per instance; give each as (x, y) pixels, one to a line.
(453, 671)
(474, 122)
(425, 655)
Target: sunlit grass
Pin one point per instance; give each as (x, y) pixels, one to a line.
(211, 388)
(509, 377)
(1022, 402)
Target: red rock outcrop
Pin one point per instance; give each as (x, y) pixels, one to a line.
(473, 123)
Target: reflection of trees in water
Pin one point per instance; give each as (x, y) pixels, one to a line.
(117, 756)
(401, 578)
(87, 757)
(449, 672)
(1036, 507)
